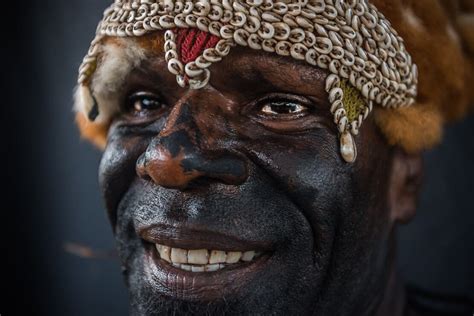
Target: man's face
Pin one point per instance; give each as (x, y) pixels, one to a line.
(248, 165)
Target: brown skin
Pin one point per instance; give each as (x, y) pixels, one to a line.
(209, 169)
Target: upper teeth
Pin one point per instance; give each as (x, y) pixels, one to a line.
(202, 260)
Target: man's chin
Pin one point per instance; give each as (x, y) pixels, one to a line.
(145, 304)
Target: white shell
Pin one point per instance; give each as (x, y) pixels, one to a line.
(348, 147)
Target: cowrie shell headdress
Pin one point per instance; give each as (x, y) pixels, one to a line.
(350, 39)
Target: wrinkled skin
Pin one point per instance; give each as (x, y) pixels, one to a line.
(210, 163)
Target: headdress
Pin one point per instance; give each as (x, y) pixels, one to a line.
(365, 57)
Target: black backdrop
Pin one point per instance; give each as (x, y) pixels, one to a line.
(50, 196)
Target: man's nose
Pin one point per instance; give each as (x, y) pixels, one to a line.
(180, 156)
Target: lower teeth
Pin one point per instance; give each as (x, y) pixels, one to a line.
(200, 268)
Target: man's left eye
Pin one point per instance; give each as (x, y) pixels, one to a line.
(283, 107)
(143, 102)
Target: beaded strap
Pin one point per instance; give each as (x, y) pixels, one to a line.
(349, 38)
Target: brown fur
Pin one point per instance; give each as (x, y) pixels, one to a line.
(443, 50)
(439, 34)
(151, 42)
(94, 132)
(414, 128)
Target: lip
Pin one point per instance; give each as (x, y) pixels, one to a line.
(204, 286)
(192, 238)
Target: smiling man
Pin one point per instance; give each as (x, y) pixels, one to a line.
(259, 154)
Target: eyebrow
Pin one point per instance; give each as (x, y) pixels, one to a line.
(274, 68)
(275, 72)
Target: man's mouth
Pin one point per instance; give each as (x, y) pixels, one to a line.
(204, 260)
(201, 265)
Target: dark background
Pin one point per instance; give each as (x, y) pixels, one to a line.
(50, 196)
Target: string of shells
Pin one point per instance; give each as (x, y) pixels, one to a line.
(349, 38)
(195, 73)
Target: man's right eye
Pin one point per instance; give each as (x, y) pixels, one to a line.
(143, 103)
(283, 108)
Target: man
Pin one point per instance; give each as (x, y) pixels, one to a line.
(258, 155)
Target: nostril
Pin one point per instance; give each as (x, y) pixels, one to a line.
(199, 184)
(146, 177)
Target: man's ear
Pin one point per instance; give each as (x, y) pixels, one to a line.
(405, 184)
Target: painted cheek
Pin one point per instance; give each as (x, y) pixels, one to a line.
(305, 163)
(117, 169)
(310, 172)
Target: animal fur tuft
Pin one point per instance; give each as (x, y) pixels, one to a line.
(440, 37)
